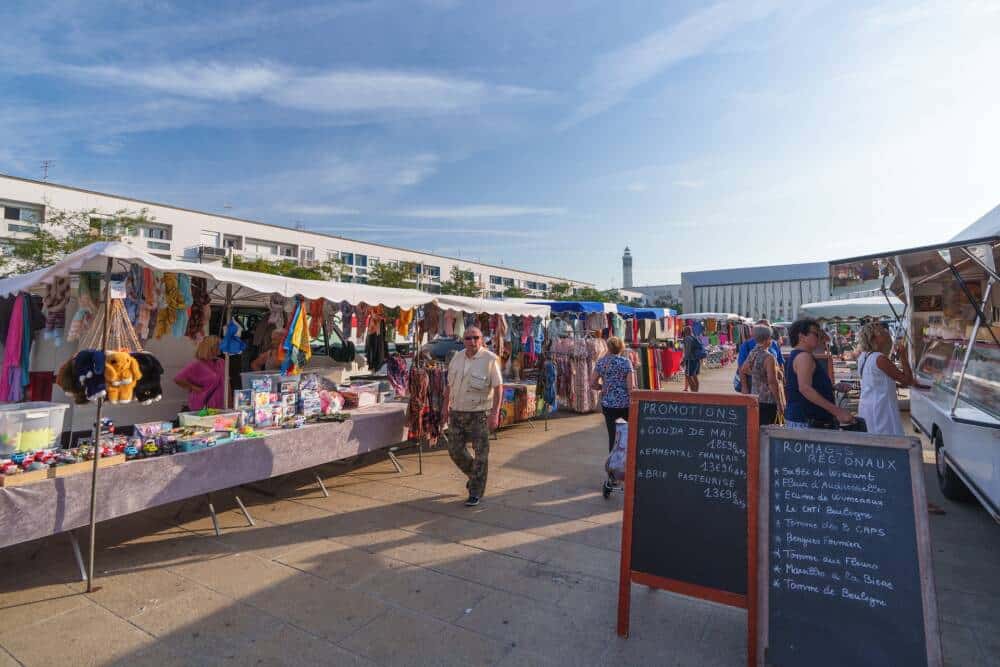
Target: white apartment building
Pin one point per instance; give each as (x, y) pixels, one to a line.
(195, 236)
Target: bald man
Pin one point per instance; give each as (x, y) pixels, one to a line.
(472, 407)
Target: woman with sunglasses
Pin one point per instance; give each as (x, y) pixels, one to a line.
(879, 406)
(809, 401)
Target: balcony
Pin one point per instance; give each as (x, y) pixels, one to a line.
(211, 253)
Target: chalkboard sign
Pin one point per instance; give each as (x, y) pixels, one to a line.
(845, 570)
(688, 489)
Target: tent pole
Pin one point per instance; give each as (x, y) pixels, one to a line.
(97, 433)
(227, 314)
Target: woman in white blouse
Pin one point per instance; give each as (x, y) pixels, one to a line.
(879, 406)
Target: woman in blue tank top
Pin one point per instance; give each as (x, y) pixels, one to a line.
(811, 399)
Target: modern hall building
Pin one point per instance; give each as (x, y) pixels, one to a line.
(653, 295)
(774, 292)
(197, 236)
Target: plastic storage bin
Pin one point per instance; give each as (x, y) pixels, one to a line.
(275, 378)
(32, 425)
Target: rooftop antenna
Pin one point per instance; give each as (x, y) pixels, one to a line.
(45, 168)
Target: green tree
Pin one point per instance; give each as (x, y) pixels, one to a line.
(65, 232)
(663, 302)
(515, 293)
(462, 283)
(383, 274)
(328, 270)
(560, 292)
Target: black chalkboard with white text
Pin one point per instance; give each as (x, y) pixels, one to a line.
(845, 579)
(690, 516)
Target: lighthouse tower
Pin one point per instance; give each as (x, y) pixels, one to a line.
(627, 268)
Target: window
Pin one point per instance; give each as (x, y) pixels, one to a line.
(361, 279)
(543, 287)
(373, 261)
(210, 239)
(361, 260)
(508, 282)
(307, 253)
(361, 271)
(432, 271)
(234, 242)
(26, 229)
(159, 233)
(347, 258)
(496, 280)
(468, 275)
(157, 245)
(11, 213)
(287, 251)
(261, 248)
(31, 215)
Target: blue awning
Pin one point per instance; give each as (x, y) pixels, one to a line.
(573, 306)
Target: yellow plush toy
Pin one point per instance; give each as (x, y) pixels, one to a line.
(121, 373)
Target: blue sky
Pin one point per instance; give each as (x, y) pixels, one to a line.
(541, 135)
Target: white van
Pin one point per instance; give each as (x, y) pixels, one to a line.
(952, 319)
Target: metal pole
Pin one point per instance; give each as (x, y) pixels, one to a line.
(227, 315)
(97, 433)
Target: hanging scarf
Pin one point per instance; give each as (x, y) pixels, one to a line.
(201, 310)
(296, 345)
(55, 302)
(403, 322)
(316, 309)
(168, 299)
(11, 377)
(187, 299)
(88, 294)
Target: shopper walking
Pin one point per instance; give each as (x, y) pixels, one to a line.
(748, 345)
(879, 406)
(808, 388)
(694, 352)
(472, 408)
(760, 372)
(614, 377)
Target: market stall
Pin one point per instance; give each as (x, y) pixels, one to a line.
(114, 323)
(720, 333)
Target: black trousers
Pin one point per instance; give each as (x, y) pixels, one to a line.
(610, 415)
(768, 413)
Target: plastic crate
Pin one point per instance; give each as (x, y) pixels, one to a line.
(32, 425)
(275, 379)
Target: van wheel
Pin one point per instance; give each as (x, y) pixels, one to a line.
(952, 487)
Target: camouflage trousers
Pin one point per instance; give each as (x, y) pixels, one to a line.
(471, 427)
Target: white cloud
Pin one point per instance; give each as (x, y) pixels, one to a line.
(211, 81)
(332, 91)
(689, 184)
(317, 209)
(637, 186)
(617, 73)
(480, 211)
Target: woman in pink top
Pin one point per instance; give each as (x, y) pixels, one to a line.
(203, 378)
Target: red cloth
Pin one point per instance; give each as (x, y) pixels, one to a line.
(40, 386)
(671, 361)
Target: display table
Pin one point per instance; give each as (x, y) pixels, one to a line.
(55, 505)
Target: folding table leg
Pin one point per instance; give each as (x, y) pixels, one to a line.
(243, 508)
(322, 487)
(215, 519)
(79, 556)
(394, 460)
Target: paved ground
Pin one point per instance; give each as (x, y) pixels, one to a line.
(393, 570)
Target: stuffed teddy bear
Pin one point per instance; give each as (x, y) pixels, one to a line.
(121, 371)
(89, 368)
(148, 389)
(68, 381)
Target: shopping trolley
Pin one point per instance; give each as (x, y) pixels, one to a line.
(615, 464)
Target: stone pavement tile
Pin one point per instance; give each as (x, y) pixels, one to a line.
(160, 655)
(268, 540)
(205, 625)
(404, 638)
(236, 576)
(37, 600)
(959, 645)
(389, 492)
(661, 615)
(169, 546)
(425, 591)
(282, 511)
(977, 610)
(605, 537)
(576, 637)
(339, 564)
(97, 637)
(318, 607)
(514, 575)
(341, 502)
(515, 543)
(600, 563)
(287, 645)
(7, 660)
(989, 646)
(427, 550)
(135, 593)
(521, 658)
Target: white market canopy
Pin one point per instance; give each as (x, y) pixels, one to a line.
(853, 309)
(94, 258)
(730, 317)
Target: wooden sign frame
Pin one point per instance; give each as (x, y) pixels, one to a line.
(924, 564)
(627, 575)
